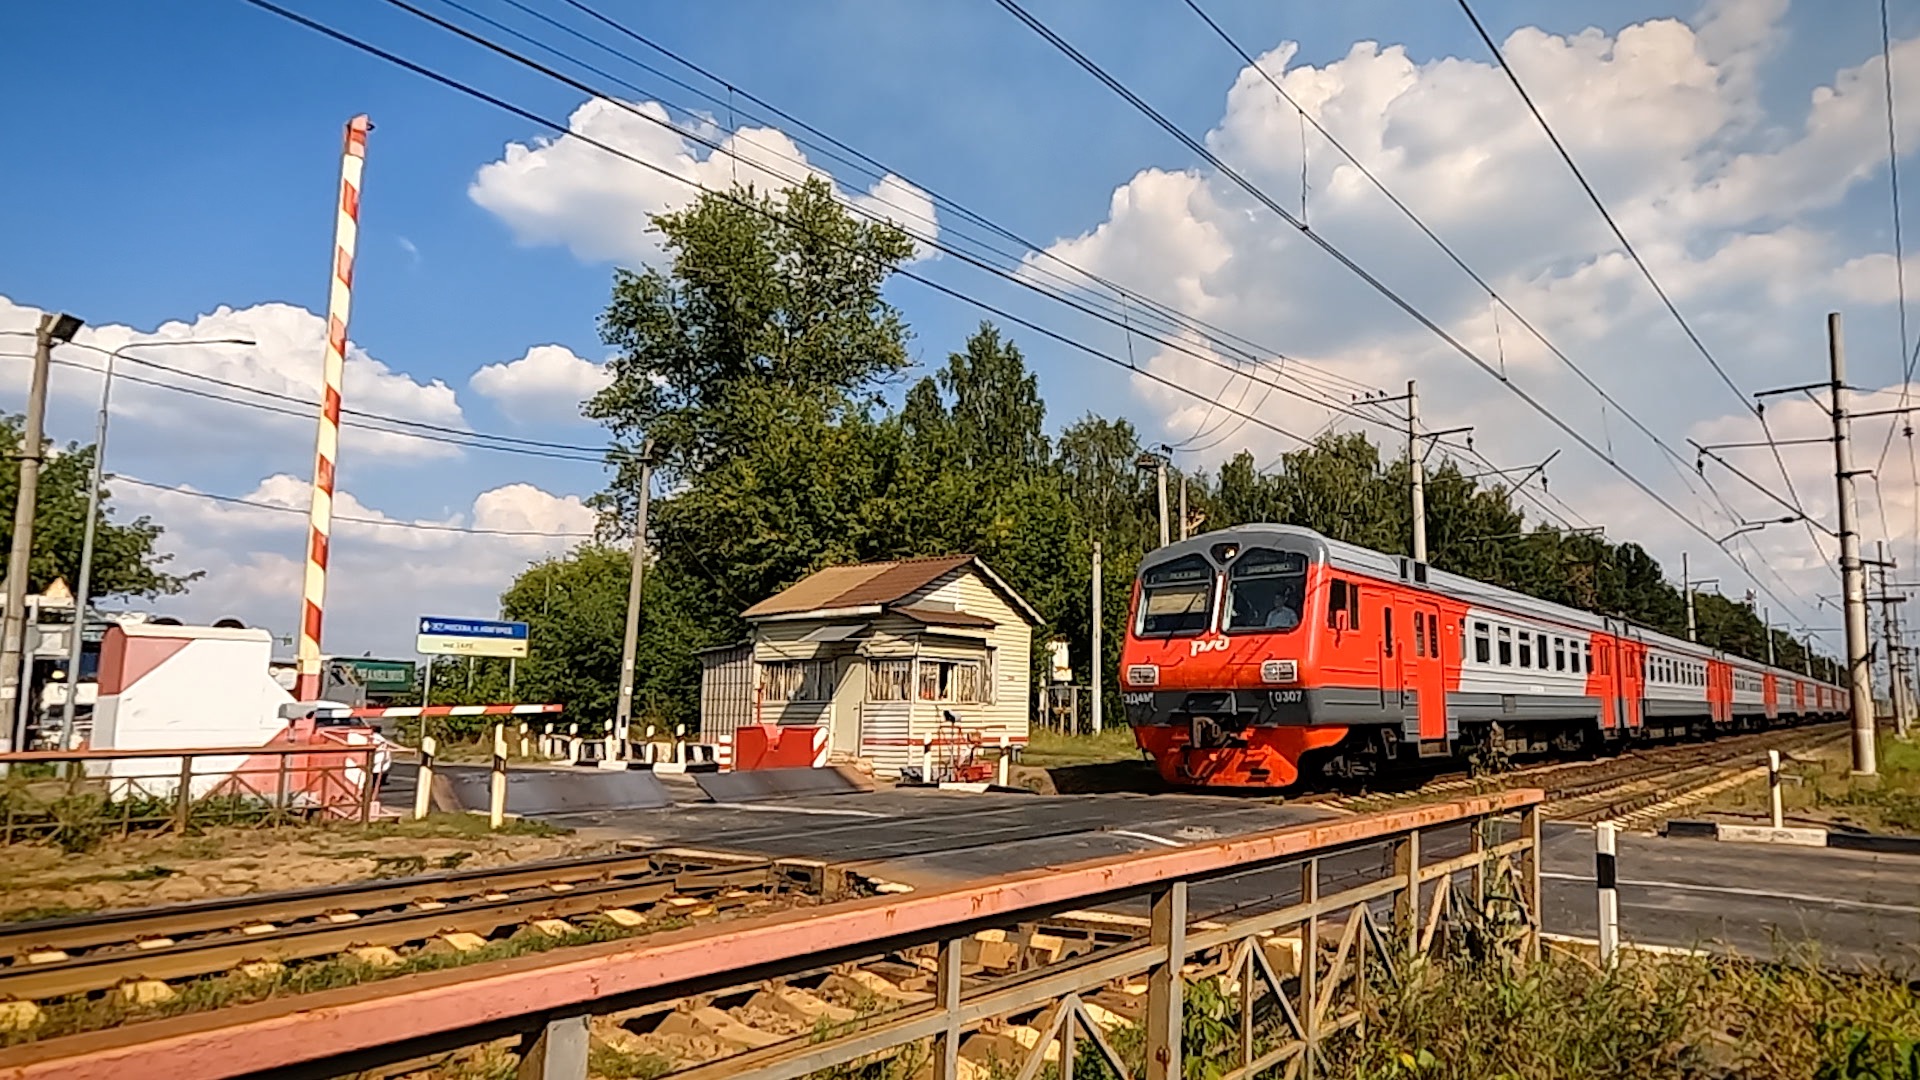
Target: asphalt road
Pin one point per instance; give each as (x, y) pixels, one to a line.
(1757, 900)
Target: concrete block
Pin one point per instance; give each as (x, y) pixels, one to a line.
(256, 929)
(260, 969)
(625, 918)
(18, 1015)
(1767, 834)
(154, 943)
(857, 984)
(145, 992)
(342, 916)
(46, 956)
(1000, 956)
(1283, 954)
(797, 1003)
(461, 941)
(376, 956)
(553, 927)
(708, 1022)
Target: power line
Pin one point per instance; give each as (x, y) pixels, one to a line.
(387, 523)
(1673, 457)
(1385, 290)
(1646, 271)
(1164, 315)
(747, 204)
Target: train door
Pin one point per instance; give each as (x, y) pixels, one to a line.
(1393, 662)
(1428, 675)
(1603, 679)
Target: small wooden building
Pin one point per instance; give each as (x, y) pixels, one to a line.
(879, 654)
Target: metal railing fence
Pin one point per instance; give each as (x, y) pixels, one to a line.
(1352, 900)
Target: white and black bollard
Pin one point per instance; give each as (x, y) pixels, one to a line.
(926, 759)
(497, 810)
(423, 781)
(526, 739)
(1773, 789)
(1607, 882)
(1005, 761)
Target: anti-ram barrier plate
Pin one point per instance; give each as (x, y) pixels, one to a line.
(537, 792)
(756, 785)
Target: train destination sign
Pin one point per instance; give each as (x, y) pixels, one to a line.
(470, 637)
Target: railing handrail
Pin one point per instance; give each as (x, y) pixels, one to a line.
(282, 1032)
(28, 757)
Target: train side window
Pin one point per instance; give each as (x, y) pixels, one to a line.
(1526, 650)
(1338, 598)
(1540, 646)
(1560, 654)
(1386, 627)
(1353, 602)
(1505, 638)
(1420, 636)
(1482, 644)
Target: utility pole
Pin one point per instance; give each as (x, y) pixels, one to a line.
(1183, 504)
(1417, 468)
(1686, 586)
(1859, 673)
(630, 643)
(1093, 668)
(1766, 616)
(53, 330)
(1890, 638)
(1160, 479)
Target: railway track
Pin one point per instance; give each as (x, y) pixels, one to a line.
(56, 958)
(1632, 789)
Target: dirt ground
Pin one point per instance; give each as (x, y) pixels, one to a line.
(45, 882)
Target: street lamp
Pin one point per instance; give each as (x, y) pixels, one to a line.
(94, 481)
(1755, 526)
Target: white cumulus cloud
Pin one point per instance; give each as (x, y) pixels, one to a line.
(548, 383)
(570, 192)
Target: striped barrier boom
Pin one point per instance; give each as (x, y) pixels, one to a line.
(327, 443)
(398, 712)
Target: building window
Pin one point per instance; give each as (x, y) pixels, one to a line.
(956, 681)
(796, 680)
(887, 680)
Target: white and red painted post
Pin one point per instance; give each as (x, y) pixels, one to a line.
(1606, 877)
(820, 747)
(723, 755)
(327, 445)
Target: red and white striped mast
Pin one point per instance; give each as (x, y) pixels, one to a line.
(327, 446)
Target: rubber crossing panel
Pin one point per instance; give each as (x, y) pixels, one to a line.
(757, 785)
(538, 792)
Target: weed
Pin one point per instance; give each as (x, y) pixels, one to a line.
(616, 1064)
(153, 872)
(1049, 749)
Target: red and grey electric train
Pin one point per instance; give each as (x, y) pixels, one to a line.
(1260, 654)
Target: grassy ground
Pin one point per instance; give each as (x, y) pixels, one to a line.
(42, 881)
(1050, 749)
(1821, 791)
(1054, 763)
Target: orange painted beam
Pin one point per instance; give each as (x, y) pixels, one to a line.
(276, 1034)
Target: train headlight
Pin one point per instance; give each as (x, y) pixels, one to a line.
(1279, 671)
(1143, 675)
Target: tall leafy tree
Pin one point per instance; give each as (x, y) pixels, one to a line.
(126, 559)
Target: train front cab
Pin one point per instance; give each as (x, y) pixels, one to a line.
(1247, 655)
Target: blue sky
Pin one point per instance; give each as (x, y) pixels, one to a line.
(190, 162)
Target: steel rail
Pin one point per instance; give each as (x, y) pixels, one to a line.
(105, 969)
(287, 1035)
(130, 925)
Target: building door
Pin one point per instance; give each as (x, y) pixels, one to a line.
(849, 700)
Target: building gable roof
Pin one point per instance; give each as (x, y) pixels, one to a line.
(867, 588)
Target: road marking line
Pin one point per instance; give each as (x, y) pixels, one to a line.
(1148, 837)
(1831, 901)
(817, 810)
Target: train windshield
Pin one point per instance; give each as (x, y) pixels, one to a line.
(1177, 598)
(1266, 589)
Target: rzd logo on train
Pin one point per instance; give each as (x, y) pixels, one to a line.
(1200, 645)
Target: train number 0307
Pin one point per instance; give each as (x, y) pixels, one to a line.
(1286, 697)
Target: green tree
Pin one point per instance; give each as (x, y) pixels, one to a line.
(125, 562)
